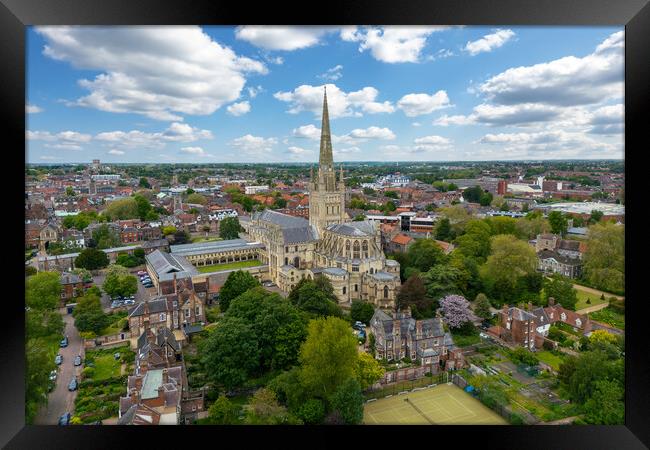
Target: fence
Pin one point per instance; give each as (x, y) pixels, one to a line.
(521, 416)
(381, 391)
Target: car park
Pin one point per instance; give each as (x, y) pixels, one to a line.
(58, 360)
(64, 342)
(77, 360)
(65, 419)
(72, 386)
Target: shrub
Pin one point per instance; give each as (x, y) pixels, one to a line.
(88, 372)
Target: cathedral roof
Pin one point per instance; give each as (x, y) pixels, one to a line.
(294, 229)
(364, 228)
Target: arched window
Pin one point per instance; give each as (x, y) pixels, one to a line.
(356, 288)
(347, 248)
(365, 249)
(356, 249)
(344, 290)
(296, 261)
(385, 291)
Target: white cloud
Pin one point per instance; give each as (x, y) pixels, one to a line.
(239, 109)
(195, 151)
(340, 104)
(567, 81)
(489, 42)
(253, 91)
(115, 152)
(157, 71)
(176, 132)
(607, 120)
(353, 137)
(49, 158)
(416, 124)
(65, 140)
(430, 144)
(253, 145)
(393, 44)
(346, 151)
(281, 37)
(32, 109)
(500, 115)
(419, 104)
(299, 151)
(333, 73)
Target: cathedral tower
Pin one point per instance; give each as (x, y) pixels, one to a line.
(326, 194)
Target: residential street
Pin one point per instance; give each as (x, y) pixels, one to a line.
(61, 400)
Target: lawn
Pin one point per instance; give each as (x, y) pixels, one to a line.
(584, 296)
(609, 317)
(463, 341)
(205, 239)
(106, 367)
(550, 358)
(229, 266)
(441, 405)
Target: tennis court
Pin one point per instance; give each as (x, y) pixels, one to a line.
(445, 404)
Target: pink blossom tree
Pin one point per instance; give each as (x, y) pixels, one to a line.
(455, 311)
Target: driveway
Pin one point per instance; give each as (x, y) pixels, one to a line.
(60, 399)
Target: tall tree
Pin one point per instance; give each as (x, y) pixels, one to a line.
(229, 228)
(604, 259)
(223, 412)
(425, 253)
(119, 282)
(236, 284)
(231, 352)
(455, 311)
(43, 290)
(362, 311)
(482, 306)
(561, 289)
(443, 230)
(368, 370)
(328, 356)
(348, 402)
(126, 208)
(558, 222)
(413, 294)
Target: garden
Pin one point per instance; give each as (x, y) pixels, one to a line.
(103, 383)
(610, 317)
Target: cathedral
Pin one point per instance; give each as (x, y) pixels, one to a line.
(348, 253)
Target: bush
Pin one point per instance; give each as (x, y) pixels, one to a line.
(88, 372)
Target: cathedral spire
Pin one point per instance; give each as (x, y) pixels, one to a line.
(326, 159)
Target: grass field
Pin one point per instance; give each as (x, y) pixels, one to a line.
(549, 358)
(106, 367)
(205, 239)
(445, 404)
(229, 266)
(584, 296)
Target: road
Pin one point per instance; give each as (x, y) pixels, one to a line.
(60, 399)
(595, 291)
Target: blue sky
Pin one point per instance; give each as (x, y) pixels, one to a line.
(254, 94)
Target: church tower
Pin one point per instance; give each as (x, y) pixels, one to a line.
(326, 194)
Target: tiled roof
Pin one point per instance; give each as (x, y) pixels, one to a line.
(402, 239)
(546, 254)
(363, 228)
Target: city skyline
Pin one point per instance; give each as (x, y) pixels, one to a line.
(253, 94)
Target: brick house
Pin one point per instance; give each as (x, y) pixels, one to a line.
(130, 234)
(71, 286)
(157, 348)
(557, 313)
(403, 336)
(400, 243)
(519, 326)
(561, 256)
(159, 390)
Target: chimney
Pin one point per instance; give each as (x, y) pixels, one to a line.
(174, 283)
(551, 301)
(165, 376)
(418, 328)
(135, 396)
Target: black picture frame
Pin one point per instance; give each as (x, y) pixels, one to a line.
(15, 15)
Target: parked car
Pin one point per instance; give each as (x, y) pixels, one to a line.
(58, 360)
(141, 272)
(53, 375)
(65, 419)
(148, 285)
(129, 302)
(116, 356)
(77, 360)
(64, 342)
(72, 386)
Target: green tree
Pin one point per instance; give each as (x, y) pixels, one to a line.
(604, 259)
(558, 222)
(443, 230)
(231, 352)
(328, 356)
(442, 280)
(236, 284)
(348, 402)
(197, 199)
(104, 237)
(43, 290)
(482, 306)
(166, 231)
(312, 411)
(69, 191)
(391, 194)
(368, 370)
(362, 311)
(476, 239)
(181, 237)
(144, 183)
(605, 406)
(561, 289)
(145, 210)
(126, 208)
(473, 194)
(596, 216)
(315, 297)
(88, 314)
(229, 228)
(510, 259)
(486, 199)
(579, 375)
(412, 294)
(38, 364)
(264, 409)
(119, 282)
(223, 412)
(425, 253)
